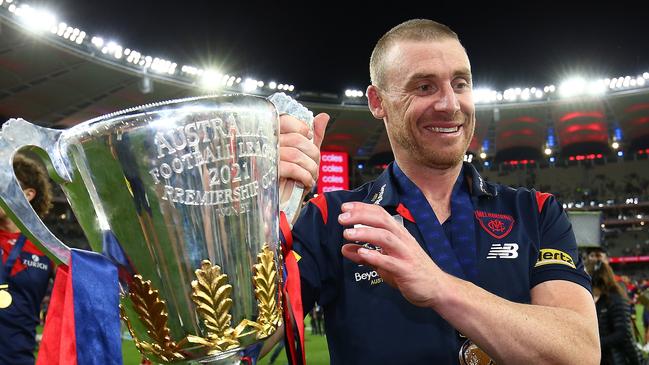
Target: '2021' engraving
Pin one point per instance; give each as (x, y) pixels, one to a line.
(232, 165)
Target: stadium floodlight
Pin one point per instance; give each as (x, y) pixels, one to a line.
(510, 94)
(627, 81)
(97, 41)
(615, 145)
(596, 88)
(211, 80)
(548, 151)
(249, 85)
(572, 86)
(645, 75)
(272, 85)
(538, 94)
(36, 20)
(260, 84)
(484, 95)
(640, 81)
(483, 155)
(291, 88)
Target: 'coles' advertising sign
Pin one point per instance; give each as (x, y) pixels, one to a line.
(334, 172)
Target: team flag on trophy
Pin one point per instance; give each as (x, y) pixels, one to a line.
(82, 325)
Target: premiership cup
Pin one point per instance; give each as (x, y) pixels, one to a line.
(189, 189)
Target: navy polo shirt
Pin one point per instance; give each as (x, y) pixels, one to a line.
(523, 238)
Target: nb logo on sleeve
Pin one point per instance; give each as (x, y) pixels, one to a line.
(503, 251)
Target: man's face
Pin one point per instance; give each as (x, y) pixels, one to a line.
(427, 97)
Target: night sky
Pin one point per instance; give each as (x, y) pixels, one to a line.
(325, 46)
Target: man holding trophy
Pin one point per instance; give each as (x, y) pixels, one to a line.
(407, 268)
(429, 260)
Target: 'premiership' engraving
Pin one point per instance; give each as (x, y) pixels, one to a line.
(233, 164)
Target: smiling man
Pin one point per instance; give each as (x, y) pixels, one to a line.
(429, 256)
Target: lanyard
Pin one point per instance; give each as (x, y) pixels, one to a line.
(456, 255)
(5, 268)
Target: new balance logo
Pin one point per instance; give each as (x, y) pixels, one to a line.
(503, 251)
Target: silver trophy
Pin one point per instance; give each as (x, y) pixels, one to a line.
(189, 189)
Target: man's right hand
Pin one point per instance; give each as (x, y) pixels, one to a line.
(299, 157)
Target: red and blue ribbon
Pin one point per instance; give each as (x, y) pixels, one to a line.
(82, 325)
(293, 311)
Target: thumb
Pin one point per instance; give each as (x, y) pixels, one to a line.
(319, 125)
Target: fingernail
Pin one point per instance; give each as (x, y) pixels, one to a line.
(363, 251)
(346, 206)
(299, 185)
(309, 135)
(350, 232)
(344, 216)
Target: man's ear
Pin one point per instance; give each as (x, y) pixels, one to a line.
(375, 102)
(30, 193)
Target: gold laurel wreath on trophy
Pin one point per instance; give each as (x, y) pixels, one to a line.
(211, 295)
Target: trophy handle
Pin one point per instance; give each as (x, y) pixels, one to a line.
(290, 198)
(16, 134)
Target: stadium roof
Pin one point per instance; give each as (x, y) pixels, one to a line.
(59, 82)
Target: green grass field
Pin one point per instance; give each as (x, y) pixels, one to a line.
(316, 348)
(316, 351)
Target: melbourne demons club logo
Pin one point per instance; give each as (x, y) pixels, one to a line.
(497, 225)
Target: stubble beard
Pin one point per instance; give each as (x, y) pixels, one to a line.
(427, 156)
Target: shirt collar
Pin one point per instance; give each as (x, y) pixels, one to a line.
(477, 185)
(384, 189)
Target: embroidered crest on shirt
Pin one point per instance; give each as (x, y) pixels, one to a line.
(376, 199)
(497, 225)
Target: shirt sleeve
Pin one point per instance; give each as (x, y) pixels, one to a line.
(558, 257)
(315, 259)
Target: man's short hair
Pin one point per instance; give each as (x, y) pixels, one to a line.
(31, 174)
(412, 30)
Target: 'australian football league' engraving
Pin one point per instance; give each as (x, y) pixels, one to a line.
(233, 163)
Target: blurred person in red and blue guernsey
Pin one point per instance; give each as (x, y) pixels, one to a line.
(25, 272)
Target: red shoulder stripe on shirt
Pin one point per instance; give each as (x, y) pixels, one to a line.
(321, 202)
(404, 212)
(541, 198)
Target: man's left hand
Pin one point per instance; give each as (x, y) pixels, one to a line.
(401, 261)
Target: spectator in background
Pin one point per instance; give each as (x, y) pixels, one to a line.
(25, 270)
(615, 328)
(597, 254)
(316, 320)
